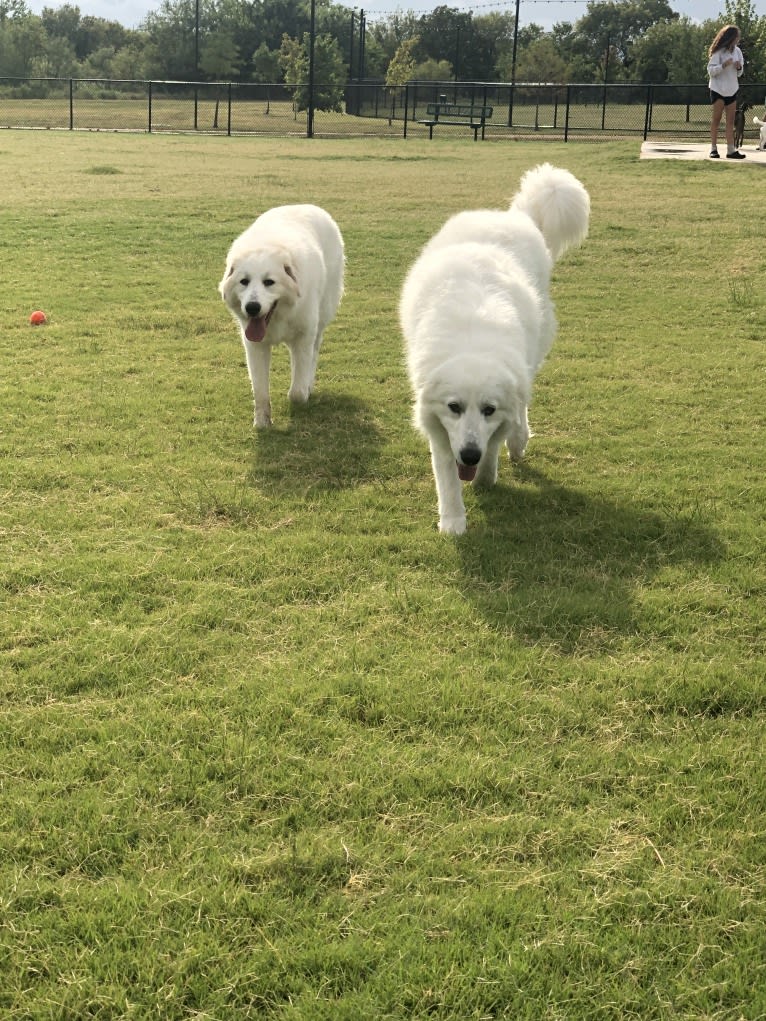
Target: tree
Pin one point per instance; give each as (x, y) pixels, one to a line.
(58, 60)
(618, 24)
(219, 57)
(265, 64)
(403, 64)
(291, 59)
(538, 62)
(129, 63)
(672, 52)
(329, 72)
(753, 30)
(22, 40)
(13, 9)
(329, 75)
(433, 71)
(400, 71)
(489, 39)
(391, 32)
(445, 36)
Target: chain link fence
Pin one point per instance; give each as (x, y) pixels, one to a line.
(557, 112)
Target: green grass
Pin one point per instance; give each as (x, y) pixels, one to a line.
(272, 746)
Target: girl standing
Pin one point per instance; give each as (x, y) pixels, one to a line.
(725, 64)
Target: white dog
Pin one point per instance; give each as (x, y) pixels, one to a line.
(283, 284)
(478, 321)
(762, 132)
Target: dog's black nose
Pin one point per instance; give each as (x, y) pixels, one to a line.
(470, 455)
(253, 308)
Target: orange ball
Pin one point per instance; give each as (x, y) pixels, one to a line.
(38, 318)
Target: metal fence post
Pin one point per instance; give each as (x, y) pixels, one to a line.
(71, 104)
(228, 114)
(150, 107)
(406, 106)
(566, 115)
(648, 113)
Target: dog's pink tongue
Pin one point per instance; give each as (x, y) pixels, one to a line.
(466, 472)
(255, 329)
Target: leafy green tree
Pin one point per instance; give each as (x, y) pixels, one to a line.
(753, 29)
(58, 60)
(129, 63)
(388, 34)
(618, 24)
(445, 36)
(219, 57)
(171, 30)
(433, 71)
(400, 69)
(329, 75)
(64, 23)
(265, 65)
(291, 60)
(673, 52)
(487, 39)
(22, 40)
(99, 63)
(540, 61)
(12, 10)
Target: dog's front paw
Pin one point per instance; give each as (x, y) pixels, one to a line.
(298, 394)
(486, 476)
(452, 526)
(262, 420)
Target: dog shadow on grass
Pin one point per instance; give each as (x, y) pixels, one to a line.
(548, 563)
(330, 443)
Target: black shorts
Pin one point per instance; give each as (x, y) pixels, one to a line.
(727, 100)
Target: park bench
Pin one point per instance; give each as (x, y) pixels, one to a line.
(475, 117)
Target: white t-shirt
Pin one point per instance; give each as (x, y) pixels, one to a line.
(725, 80)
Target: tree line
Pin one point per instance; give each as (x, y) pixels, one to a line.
(268, 41)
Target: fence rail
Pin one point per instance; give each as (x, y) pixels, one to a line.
(557, 112)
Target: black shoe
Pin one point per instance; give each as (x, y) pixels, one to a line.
(735, 156)
(714, 154)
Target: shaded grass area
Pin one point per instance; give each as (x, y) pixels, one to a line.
(271, 746)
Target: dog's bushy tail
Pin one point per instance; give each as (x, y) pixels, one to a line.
(557, 203)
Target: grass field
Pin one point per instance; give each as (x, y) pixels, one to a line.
(274, 748)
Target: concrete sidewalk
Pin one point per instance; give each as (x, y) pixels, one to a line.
(700, 151)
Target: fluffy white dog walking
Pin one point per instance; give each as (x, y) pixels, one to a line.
(478, 321)
(283, 283)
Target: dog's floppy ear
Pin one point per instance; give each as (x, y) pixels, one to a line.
(226, 277)
(291, 274)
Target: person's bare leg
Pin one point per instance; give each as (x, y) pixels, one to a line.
(715, 123)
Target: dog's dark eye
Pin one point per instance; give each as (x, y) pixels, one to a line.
(268, 282)
(488, 411)
(454, 407)
(245, 281)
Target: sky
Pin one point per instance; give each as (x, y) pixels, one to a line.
(130, 13)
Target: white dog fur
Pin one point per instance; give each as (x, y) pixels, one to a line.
(762, 132)
(283, 283)
(478, 321)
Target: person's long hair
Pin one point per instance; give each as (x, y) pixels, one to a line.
(725, 40)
